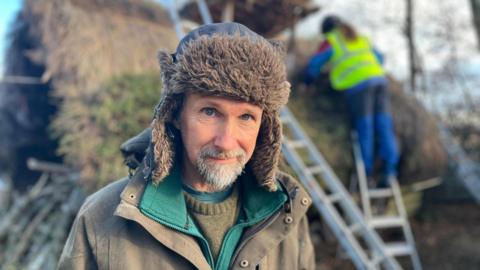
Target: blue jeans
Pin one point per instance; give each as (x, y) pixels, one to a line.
(370, 113)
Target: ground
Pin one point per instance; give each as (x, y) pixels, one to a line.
(447, 237)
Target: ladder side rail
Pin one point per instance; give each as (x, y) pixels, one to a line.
(407, 230)
(330, 178)
(204, 12)
(468, 170)
(362, 177)
(172, 10)
(334, 221)
(397, 195)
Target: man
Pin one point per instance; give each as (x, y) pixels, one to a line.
(207, 194)
(356, 70)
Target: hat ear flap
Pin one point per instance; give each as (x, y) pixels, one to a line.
(162, 146)
(279, 46)
(267, 151)
(161, 152)
(167, 69)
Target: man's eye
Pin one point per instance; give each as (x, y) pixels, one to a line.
(209, 111)
(247, 117)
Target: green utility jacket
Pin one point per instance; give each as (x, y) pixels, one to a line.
(352, 61)
(132, 225)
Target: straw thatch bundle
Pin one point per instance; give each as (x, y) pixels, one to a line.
(82, 45)
(266, 17)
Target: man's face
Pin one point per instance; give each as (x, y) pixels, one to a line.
(219, 136)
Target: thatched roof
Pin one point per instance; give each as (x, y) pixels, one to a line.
(81, 44)
(86, 41)
(266, 17)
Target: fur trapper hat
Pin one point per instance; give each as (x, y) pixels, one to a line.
(224, 59)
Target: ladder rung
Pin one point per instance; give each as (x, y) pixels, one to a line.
(376, 260)
(355, 228)
(380, 192)
(296, 144)
(315, 169)
(387, 222)
(335, 197)
(398, 249)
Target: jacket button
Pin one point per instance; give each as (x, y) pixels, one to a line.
(243, 263)
(304, 201)
(288, 219)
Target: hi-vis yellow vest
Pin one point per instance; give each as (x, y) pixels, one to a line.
(352, 61)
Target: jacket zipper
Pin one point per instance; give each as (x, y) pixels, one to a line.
(267, 222)
(252, 232)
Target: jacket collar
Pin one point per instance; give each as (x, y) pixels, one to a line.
(165, 201)
(186, 245)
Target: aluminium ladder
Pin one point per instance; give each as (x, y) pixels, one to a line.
(174, 16)
(332, 200)
(382, 221)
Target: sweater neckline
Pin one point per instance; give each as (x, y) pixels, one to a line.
(208, 197)
(208, 208)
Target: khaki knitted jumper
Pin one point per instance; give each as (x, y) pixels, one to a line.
(214, 219)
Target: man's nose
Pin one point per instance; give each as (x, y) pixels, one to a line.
(226, 137)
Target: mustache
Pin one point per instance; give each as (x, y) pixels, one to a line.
(211, 152)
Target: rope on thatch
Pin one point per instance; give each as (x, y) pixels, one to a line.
(33, 230)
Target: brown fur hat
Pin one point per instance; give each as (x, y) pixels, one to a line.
(224, 59)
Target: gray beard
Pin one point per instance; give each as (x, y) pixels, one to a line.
(220, 176)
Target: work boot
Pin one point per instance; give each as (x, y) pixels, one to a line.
(385, 180)
(371, 183)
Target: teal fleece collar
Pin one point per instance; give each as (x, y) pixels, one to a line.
(166, 201)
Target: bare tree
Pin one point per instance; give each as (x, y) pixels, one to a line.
(409, 33)
(476, 18)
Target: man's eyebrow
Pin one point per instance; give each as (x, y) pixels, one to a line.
(214, 103)
(210, 103)
(250, 111)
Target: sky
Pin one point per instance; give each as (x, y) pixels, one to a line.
(8, 9)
